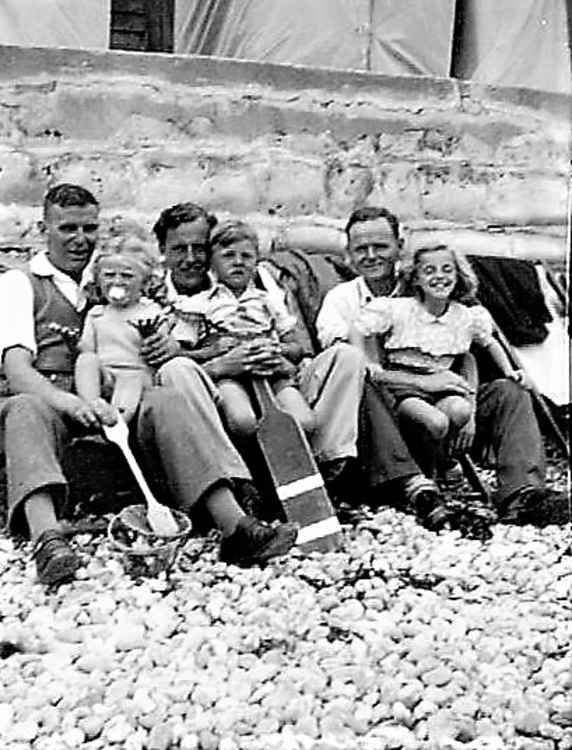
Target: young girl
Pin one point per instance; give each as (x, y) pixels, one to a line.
(110, 360)
(235, 311)
(426, 332)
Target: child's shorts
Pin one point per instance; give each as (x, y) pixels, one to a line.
(401, 392)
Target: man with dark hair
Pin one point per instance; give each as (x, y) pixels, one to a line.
(332, 383)
(38, 365)
(505, 418)
(186, 443)
(182, 231)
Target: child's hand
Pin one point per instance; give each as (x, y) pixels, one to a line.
(520, 377)
(267, 346)
(75, 408)
(159, 348)
(105, 412)
(466, 435)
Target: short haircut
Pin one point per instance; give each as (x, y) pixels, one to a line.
(180, 213)
(66, 195)
(231, 231)
(371, 213)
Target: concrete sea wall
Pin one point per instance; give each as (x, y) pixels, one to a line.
(294, 149)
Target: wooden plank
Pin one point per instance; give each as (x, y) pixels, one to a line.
(297, 481)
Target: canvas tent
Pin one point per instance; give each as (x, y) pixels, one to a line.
(504, 42)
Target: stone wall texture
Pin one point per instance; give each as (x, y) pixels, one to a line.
(285, 146)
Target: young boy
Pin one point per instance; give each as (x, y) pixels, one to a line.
(233, 311)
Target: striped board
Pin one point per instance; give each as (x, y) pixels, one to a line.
(297, 481)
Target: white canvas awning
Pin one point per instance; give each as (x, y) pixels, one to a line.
(385, 36)
(80, 24)
(504, 42)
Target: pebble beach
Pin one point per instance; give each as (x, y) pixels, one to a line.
(405, 639)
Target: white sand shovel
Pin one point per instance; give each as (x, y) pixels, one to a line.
(159, 517)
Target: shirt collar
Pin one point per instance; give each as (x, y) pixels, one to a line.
(218, 289)
(424, 315)
(173, 294)
(364, 292)
(41, 265)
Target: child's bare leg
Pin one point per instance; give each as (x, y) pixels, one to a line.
(433, 419)
(292, 401)
(457, 409)
(237, 408)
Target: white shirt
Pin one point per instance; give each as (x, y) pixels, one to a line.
(341, 307)
(17, 302)
(255, 311)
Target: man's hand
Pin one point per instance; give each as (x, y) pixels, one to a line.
(75, 408)
(159, 348)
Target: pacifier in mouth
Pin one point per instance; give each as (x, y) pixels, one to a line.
(116, 293)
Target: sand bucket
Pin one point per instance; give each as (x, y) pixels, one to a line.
(144, 553)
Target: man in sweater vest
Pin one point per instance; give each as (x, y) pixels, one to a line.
(196, 457)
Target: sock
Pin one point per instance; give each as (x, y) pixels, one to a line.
(412, 486)
(224, 509)
(40, 514)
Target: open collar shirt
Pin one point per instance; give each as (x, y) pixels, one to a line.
(17, 302)
(340, 309)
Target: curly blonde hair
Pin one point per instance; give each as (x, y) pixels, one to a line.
(465, 290)
(138, 251)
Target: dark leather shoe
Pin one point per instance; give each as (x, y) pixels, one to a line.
(254, 542)
(56, 562)
(538, 506)
(431, 511)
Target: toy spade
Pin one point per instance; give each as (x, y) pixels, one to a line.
(297, 482)
(159, 517)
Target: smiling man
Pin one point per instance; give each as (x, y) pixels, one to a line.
(38, 365)
(504, 408)
(331, 382)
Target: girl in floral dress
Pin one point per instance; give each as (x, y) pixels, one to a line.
(429, 331)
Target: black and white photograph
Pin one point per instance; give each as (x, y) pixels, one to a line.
(285, 373)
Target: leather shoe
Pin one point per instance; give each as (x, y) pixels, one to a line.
(538, 506)
(56, 562)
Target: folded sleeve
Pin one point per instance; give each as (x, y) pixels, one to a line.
(482, 325)
(376, 317)
(16, 312)
(332, 325)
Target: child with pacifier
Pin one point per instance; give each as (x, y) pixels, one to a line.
(110, 360)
